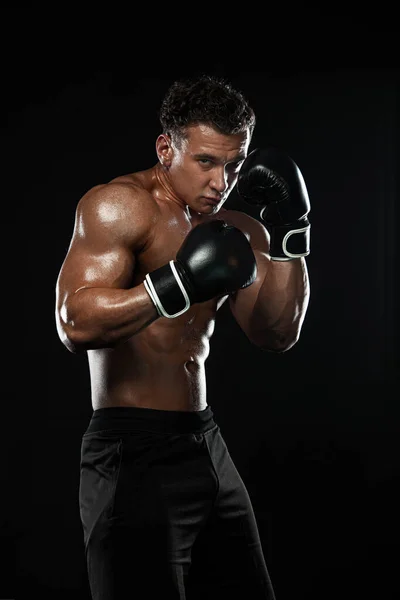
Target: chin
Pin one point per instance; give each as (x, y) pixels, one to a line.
(211, 210)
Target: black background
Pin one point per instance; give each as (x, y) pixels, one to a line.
(315, 431)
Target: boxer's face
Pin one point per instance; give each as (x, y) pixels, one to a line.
(204, 166)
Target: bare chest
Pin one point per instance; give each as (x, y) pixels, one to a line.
(190, 332)
(164, 242)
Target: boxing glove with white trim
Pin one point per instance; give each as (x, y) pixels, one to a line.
(214, 259)
(271, 179)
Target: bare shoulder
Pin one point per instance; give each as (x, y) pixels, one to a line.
(120, 197)
(256, 232)
(122, 206)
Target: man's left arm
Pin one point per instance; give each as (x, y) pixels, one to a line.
(271, 310)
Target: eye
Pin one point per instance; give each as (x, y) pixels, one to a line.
(205, 161)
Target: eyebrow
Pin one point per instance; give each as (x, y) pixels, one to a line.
(213, 158)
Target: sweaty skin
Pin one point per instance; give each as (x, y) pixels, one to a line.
(125, 229)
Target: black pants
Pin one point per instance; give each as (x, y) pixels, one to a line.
(165, 513)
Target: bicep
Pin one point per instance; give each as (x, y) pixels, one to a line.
(102, 249)
(86, 266)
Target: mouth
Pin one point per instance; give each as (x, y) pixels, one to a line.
(213, 200)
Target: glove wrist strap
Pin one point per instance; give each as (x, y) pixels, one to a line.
(290, 241)
(166, 291)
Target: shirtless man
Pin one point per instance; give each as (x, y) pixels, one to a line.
(153, 256)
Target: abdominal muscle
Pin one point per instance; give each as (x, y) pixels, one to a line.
(162, 367)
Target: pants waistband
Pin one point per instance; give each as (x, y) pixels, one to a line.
(132, 418)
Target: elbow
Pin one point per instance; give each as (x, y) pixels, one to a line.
(277, 343)
(79, 341)
(277, 349)
(67, 330)
(75, 340)
(69, 338)
(73, 348)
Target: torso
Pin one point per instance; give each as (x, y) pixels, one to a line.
(162, 366)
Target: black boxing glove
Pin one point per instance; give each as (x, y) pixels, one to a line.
(214, 259)
(271, 179)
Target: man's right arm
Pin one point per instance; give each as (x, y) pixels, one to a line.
(96, 307)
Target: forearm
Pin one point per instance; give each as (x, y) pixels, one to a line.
(101, 317)
(281, 305)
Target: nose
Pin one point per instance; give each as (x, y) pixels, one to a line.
(219, 181)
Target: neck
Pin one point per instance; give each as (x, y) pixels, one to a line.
(169, 193)
(165, 183)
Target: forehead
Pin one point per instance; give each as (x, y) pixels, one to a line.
(204, 139)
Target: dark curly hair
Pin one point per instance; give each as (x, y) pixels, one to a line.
(205, 99)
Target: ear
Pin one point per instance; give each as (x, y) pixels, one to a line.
(164, 150)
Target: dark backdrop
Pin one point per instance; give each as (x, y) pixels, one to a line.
(315, 431)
